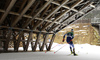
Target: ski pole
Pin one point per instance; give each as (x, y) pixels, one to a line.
(60, 48)
(55, 45)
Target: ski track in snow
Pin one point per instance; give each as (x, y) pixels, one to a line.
(84, 51)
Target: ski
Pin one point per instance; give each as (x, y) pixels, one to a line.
(73, 54)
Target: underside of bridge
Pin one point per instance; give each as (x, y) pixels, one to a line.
(39, 17)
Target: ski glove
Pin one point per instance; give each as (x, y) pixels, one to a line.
(63, 40)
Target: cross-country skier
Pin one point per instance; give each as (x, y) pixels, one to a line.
(70, 36)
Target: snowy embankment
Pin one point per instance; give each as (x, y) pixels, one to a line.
(84, 51)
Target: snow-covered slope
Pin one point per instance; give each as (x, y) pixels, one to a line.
(84, 51)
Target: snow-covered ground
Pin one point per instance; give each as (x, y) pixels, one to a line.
(84, 51)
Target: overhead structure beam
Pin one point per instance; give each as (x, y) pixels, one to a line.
(62, 23)
(26, 16)
(7, 11)
(56, 19)
(45, 10)
(77, 19)
(40, 10)
(32, 12)
(53, 27)
(71, 1)
(92, 5)
(17, 29)
(52, 12)
(24, 2)
(77, 13)
(64, 6)
(56, 9)
(23, 12)
(34, 8)
(62, 14)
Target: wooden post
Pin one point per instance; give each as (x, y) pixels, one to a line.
(32, 45)
(24, 46)
(7, 11)
(7, 40)
(19, 39)
(23, 12)
(29, 38)
(41, 9)
(44, 42)
(38, 36)
(15, 42)
(99, 29)
(51, 42)
(52, 12)
(1, 35)
(4, 42)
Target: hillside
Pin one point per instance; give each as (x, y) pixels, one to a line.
(84, 33)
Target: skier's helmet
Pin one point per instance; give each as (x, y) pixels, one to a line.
(72, 30)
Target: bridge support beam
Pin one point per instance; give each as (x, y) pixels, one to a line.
(44, 42)
(99, 29)
(18, 39)
(51, 42)
(38, 37)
